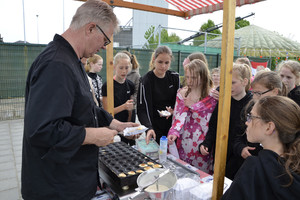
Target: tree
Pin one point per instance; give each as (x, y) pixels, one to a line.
(200, 40)
(152, 39)
(242, 23)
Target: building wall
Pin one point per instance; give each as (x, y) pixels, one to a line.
(142, 21)
(124, 37)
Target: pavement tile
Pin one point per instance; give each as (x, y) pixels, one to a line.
(5, 141)
(12, 194)
(8, 174)
(8, 184)
(7, 165)
(6, 158)
(6, 152)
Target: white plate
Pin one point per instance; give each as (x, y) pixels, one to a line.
(134, 130)
(164, 113)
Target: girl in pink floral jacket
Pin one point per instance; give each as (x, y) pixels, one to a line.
(193, 109)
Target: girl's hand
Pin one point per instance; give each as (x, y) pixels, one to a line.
(204, 150)
(215, 94)
(245, 152)
(128, 105)
(150, 134)
(171, 139)
(170, 110)
(188, 101)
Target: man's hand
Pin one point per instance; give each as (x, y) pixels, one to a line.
(120, 126)
(99, 136)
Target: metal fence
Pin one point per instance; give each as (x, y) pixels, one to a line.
(16, 59)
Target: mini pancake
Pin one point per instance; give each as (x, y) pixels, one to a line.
(122, 175)
(150, 163)
(139, 171)
(143, 165)
(131, 173)
(157, 166)
(147, 168)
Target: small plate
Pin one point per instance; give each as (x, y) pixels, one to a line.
(164, 113)
(134, 130)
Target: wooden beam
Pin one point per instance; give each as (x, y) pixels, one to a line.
(138, 6)
(225, 97)
(110, 77)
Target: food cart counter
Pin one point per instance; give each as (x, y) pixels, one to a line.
(124, 187)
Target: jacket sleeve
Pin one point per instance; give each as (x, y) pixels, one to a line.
(104, 118)
(144, 103)
(179, 116)
(210, 138)
(239, 143)
(50, 96)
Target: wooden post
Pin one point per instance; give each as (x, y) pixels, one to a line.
(109, 77)
(225, 97)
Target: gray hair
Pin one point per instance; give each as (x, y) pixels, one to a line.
(94, 11)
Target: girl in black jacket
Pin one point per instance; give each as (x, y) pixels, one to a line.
(240, 97)
(157, 92)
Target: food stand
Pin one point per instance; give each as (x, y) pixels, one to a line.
(228, 7)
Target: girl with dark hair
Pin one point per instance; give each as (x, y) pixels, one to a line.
(274, 121)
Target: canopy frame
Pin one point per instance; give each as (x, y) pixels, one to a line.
(225, 80)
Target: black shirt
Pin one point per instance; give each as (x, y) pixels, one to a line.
(263, 177)
(122, 93)
(58, 107)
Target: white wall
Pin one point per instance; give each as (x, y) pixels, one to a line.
(143, 20)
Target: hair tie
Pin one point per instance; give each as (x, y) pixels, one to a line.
(297, 134)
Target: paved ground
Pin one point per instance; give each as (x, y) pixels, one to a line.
(11, 134)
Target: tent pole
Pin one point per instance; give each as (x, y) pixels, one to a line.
(225, 97)
(109, 76)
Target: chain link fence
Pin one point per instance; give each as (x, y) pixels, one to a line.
(16, 59)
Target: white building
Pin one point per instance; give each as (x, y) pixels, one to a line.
(143, 20)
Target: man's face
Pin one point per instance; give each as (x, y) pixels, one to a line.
(97, 39)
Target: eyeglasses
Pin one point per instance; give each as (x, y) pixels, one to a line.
(107, 42)
(249, 117)
(260, 93)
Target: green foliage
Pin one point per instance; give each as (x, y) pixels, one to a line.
(242, 23)
(153, 38)
(209, 24)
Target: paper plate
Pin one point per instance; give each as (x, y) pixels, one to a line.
(134, 130)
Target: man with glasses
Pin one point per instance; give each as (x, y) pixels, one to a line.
(62, 126)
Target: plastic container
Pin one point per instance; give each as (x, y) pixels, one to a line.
(150, 150)
(173, 150)
(163, 148)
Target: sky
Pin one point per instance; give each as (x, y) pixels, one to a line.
(44, 18)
